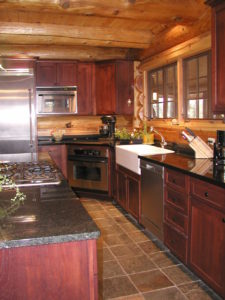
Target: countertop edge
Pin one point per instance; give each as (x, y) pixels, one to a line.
(50, 240)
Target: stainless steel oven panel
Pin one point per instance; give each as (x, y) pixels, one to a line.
(88, 175)
(56, 100)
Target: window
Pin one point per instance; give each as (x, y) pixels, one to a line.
(162, 92)
(197, 86)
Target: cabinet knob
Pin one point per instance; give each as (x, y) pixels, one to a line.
(206, 194)
(129, 101)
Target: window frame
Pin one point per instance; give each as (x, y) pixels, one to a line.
(149, 98)
(209, 85)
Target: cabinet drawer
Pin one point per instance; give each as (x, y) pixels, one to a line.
(177, 199)
(177, 180)
(208, 192)
(176, 219)
(176, 242)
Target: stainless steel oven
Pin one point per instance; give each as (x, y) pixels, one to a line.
(56, 100)
(88, 167)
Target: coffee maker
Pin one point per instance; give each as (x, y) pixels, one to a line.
(219, 148)
(108, 127)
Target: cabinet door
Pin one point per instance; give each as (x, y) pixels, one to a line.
(66, 74)
(105, 89)
(58, 154)
(218, 62)
(207, 244)
(46, 74)
(133, 196)
(124, 88)
(84, 88)
(122, 189)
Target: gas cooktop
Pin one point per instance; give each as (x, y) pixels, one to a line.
(29, 173)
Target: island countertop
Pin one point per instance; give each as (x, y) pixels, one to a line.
(50, 214)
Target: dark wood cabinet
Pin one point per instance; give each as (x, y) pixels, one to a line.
(46, 74)
(207, 234)
(105, 88)
(58, 154)
(218, 62)
(176, 201)
(114, 88)
(56, 74)
(52, 271)
(85, 88)
(124, 88)
(128, 190)
(67, 74)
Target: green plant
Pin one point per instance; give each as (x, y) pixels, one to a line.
(15, 202)
(122, 134)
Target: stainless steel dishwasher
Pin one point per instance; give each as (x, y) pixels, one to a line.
(152, 176)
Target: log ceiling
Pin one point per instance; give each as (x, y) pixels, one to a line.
(98, 29)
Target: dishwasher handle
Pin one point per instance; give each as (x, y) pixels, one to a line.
(151, 167)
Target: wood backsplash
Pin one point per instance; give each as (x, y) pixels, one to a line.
(80, 124)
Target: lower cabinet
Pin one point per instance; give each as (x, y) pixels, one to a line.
(128, 190)
(176, 203)
(58, 154)
(207, 234)
(194, 226)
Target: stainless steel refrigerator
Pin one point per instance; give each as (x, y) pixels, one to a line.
(17, 111)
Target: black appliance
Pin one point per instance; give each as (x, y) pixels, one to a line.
(219, 148)
(88, 167)
(108, 128)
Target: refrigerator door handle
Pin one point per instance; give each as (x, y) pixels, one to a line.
(30, 113)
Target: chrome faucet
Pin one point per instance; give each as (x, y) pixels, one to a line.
(163, 143)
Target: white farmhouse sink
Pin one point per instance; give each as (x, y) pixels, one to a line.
(127, 155)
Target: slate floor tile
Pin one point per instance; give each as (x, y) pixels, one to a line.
(116, 287)
(136, 264)
(149, 281)
(171, 293)
(126, 250)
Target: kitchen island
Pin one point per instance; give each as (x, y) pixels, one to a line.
(48, 246)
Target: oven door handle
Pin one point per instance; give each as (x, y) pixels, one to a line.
(87, 159)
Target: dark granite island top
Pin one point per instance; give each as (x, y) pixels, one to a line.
(50, 214)
(203, 169)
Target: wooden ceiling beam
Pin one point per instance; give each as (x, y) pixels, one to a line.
(78, 32)
(82, 53)
(176, 35)
(140, 10)
(10, 39)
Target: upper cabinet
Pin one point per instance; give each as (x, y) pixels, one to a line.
(85, 88)
(114, 88)
(56, 73)
(218, 62)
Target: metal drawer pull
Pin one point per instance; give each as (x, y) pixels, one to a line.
(206, 194)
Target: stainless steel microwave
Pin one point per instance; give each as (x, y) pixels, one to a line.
(56, 100)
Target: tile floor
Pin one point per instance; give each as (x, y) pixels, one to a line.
(134, 266)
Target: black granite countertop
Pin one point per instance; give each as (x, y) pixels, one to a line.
(203, 169)
(50, 214)
(77, 140)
